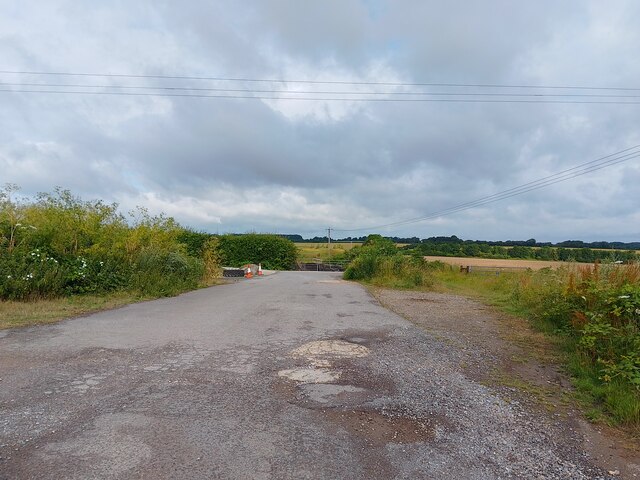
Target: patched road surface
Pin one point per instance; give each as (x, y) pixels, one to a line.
(298, 375)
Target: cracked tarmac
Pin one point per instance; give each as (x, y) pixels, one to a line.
(296, 375)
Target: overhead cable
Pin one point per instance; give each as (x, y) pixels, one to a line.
(564, 175)
(315, 92)
(327, 82)
(322, 99)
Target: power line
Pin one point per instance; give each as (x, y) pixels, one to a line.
(323, 99)
(316, 92)
(568, 174)
(326, 82)
(498, 197)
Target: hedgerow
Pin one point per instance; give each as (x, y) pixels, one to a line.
(58, 244)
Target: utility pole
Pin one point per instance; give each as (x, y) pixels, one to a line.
(329, 240)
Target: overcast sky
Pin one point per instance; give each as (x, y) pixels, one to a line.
(300, 166)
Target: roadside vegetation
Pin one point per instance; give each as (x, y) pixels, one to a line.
(591, 312)
(57, 246)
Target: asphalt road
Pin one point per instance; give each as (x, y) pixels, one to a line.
(292, 376)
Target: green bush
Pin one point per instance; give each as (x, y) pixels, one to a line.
(193, 241)
(272, 251)
(32, 274)
(59, 244)
(397, 270)
(160, 273)
(363, 267)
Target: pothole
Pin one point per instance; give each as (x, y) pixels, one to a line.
(379, 429)
(310, 375)
(324, 395)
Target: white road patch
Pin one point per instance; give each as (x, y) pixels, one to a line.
(319, 354)
(81, 385)
(310, 375)
(330, 348)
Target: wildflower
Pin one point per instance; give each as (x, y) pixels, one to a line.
(8, 276)
(624, 296)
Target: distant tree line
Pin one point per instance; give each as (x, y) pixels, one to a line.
(486, 250)
(455, 240)
(533, 243)
(299, 239)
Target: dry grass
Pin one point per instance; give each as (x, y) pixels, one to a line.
(39, 312)
(498, 262)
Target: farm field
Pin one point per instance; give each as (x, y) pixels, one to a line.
(500, 262)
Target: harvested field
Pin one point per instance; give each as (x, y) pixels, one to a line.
(500, 262)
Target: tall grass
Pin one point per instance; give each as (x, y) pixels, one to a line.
(596, 310)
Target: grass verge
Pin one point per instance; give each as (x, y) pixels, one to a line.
(15, 314)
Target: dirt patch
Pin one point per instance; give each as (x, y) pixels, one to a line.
(379, 429)
(490, 340)
(521, 365)
(331, 394)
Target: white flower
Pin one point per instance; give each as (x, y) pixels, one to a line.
(624, 296)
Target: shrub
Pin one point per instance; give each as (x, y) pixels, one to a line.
(194, 242)
(363, 267)
(33, 274)
(212, 260)
(398, 270)
(59, 244)
(272, 251)
(160, 273)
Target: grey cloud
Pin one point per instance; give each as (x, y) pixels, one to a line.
(319, 163)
